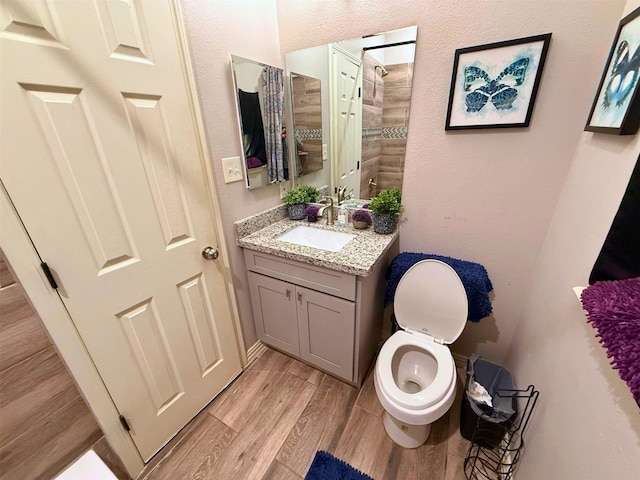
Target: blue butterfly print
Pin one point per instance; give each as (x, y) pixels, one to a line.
(502, 95)
(624, 75)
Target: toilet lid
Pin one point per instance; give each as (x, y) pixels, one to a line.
(431, 299)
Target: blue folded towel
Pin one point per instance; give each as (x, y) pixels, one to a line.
(473, 275)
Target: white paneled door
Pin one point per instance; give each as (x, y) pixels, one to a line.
(346, 120)
(102, 157)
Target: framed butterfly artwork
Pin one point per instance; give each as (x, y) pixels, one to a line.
(495, 85)
(616, 108)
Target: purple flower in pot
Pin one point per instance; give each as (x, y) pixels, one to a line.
(311, 212)
(361, 219)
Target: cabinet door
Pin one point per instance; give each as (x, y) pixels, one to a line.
(274, 312)
(327, 331)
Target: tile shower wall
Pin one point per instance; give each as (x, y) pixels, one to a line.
(307, 113)
(372, 103)
(385, 116)
(395, 118)
(44, 422)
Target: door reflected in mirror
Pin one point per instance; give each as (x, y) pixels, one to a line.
(260, 101)
(365, 110)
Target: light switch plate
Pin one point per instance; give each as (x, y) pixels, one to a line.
(232, 168)
(324, 151)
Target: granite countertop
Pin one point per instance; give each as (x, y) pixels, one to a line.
(357, 257)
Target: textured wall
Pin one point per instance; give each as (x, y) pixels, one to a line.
(247, 28)
(583, 400)
(485, 196)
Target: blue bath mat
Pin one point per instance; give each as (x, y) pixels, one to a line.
(327, 467)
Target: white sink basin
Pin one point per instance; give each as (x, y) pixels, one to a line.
(316, 238)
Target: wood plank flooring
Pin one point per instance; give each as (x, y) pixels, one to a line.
(44, 422)
(269, 423)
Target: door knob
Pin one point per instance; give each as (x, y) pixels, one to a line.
(210, 253)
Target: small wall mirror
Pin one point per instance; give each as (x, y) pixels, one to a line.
(306, 107)
(365, 99)
(259, 92)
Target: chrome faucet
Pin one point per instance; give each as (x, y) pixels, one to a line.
(329, 207)
(342, 190)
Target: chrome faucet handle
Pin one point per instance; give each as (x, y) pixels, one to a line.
(342, 190)
(328, 207)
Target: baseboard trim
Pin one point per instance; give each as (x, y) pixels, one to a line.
(254, 352)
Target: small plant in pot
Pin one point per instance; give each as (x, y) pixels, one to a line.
(297, 198)
(311, 212)
(385, 207)
(361, 219)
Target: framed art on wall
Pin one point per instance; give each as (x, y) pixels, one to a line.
(616, 108)
(495, 85)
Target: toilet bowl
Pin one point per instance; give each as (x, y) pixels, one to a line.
(415, 374)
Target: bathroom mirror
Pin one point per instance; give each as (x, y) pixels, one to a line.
(259, 90)
(306, 108)
(365, 101)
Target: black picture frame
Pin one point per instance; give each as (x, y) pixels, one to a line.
(610, 113)
(503, 96)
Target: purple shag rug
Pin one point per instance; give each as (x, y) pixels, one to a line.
(327, 467)
(613, 309)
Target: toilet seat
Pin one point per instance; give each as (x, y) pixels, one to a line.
(432, 393)
(431, 299)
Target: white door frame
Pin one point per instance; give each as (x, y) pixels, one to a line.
(25, 262)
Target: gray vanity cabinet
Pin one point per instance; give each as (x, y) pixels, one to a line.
(327, 318)
(274, 312)
(326, 331)
(314, 326)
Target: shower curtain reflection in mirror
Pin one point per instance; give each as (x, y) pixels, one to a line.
(273, 88)
(260, 99)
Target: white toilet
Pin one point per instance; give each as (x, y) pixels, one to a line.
(415, 374)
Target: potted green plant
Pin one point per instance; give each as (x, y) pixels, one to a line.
(297, 198)
(385, 207)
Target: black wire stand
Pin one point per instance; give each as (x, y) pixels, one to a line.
(488, 459)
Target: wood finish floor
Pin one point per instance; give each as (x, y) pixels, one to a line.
(269, 423)
(44, 422)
